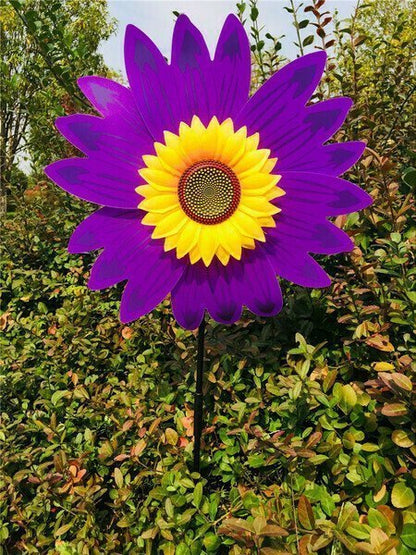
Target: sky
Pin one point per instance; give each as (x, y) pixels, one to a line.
(156, 19)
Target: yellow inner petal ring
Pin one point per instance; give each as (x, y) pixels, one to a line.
(208, 190)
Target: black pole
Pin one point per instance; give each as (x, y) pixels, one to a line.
(198, 404)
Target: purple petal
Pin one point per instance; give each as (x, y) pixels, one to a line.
(111, 99)
(153, 83)
(152, 275)
(323, 194)
(189, 296)
(209, 288)
(193, 84)
(115, 263)
(283, 95)
(232, 68)
(260, 288)
(290, 141)
(108, 227)
(97, 181)
(192, 63)
(333, 159)
(224, 301)
(291, 262)
(107, 139)
(223, 290)
(316, 234)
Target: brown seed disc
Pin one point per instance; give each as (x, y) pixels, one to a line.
(209, 192)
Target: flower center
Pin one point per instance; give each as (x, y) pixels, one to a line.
(209, 192)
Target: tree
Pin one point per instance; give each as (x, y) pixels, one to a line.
(45, 47)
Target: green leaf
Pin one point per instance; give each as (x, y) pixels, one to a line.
(402, 496)
(377, 520)
(63, 529)
(182, 549)
(197, 497)
(347, 398)
(118, 477)
(254, 13)
(409, 177)
(408, 535)
(402, 381)
(211, 542)
(256, 461)
(305, 513)
(58, 395)
(309, 40)
(394, 410)
(359, 531)
(318, 459)
(403, 438)
(347, 514)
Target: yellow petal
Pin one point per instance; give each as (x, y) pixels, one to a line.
(170, 242)
(252, 142)
(275, 192)
(247, 242)
(266, 221)
(151, 218)
(247, 225)
(257, 206)
(230, 239)
(171, 159)
(227, 126)
(171, 140)
(208, 242)
(188, 238)
(225, 131)
(223, 255)
(152, 162)
(251, 162)
(147, 191)
(161, 180)
(200, 142)
(160, 203)
(269, 165)
(258, 183)
(197, 125)
(190, 143)
(234, 147)
(170, 224)
(194, 254)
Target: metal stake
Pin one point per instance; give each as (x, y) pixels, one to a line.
(198, 404)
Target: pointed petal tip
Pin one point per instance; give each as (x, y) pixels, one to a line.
(72, 248)
(91, 284)
(130, 29)
(319, 55)
(325, 281)
(367, 200)
(182, 19)
(84, 82)
(50, 169)
(124, 316)
(232, 17)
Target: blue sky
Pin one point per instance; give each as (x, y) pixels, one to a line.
(155, 18)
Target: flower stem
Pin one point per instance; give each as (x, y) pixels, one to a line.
(198, 403)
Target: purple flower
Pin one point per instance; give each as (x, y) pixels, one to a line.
(206, 193)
